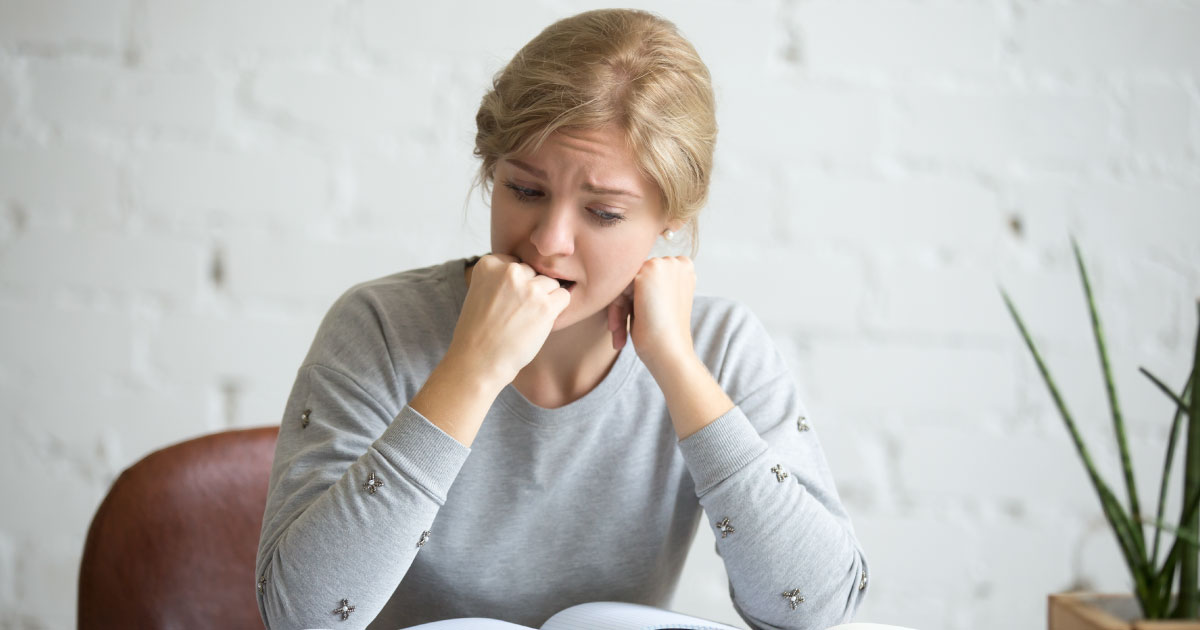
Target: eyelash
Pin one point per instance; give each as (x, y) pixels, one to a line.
(525, 195)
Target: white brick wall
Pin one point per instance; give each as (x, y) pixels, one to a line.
(185, 187)
(204, 31)
(54, 25)
(59, 183)
(1108, 38)
(92, 95)
(919, 38)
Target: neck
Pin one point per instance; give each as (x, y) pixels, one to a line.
(572, 347)
(570, 364)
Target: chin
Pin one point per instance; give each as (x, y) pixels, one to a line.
(564, 322)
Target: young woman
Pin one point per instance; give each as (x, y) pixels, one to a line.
(508, 435)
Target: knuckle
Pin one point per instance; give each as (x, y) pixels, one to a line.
(491, 263)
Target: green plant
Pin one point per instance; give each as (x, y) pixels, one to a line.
(1152, 584)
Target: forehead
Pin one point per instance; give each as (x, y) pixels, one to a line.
(600, 156)
(606, 141)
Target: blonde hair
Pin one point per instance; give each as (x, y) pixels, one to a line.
(610, 66)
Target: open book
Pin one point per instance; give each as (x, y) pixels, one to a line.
(608, 616)
(591, 616)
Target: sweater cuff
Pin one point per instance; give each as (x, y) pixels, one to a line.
(423, 452)
(720, 449)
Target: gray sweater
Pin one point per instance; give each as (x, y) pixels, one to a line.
(371, 506)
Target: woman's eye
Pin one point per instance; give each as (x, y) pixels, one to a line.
(522, 194)
(601, 217)
(606, 218)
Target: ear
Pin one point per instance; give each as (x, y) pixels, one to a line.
(675, 225)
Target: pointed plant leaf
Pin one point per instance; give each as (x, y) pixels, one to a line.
(1111, 390)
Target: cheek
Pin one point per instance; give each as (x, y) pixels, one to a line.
(505, 227)
(620, 265)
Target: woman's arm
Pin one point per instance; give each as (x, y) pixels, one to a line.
(694, 398)
(457, 396)
(352, 494)
(356, 484)
(761, 476)
(357, 480)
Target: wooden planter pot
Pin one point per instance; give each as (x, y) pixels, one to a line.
(1105, 611)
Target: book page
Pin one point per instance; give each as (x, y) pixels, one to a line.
(864, 625)
(470, 623)
(626, 616)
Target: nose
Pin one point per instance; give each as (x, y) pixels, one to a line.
(554, 234)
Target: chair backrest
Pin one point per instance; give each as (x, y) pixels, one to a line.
(174, 542)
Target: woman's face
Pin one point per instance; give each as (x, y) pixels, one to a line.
(577, 210)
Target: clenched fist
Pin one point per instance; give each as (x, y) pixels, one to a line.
(508, 313)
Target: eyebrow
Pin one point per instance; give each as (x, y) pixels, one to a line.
(586, 186)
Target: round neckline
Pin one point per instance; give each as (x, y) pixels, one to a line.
(515, 401)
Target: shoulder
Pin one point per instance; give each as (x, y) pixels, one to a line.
(732, 341)
(407, 309)
(718, 316)
(415, 290)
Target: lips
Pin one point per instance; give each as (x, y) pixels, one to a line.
(562, 282)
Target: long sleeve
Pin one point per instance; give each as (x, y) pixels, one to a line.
(355, 485)
(768, 493)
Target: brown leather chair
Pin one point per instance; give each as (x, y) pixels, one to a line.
(173, 544)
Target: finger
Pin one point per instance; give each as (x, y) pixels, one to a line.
(560, 298)
(620, 333)
(497, 261)
(529, 271)
(627, 292)
(618, 311)
(626, 311)
(546, 284)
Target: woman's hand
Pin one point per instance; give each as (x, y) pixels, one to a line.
(507, 315)
(658, 304)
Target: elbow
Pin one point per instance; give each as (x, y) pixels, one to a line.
(290, 599)
(276, 612)
(278, 596)
(273, 613)
(281, 604)
(859, 581)
(845, 593)
(837, 603)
